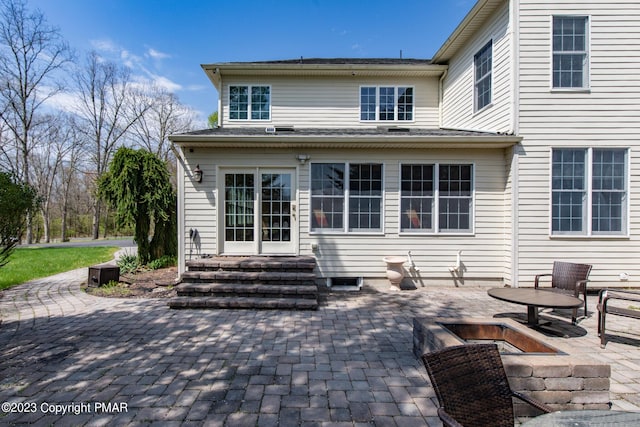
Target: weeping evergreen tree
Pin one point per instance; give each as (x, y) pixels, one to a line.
(137, 186)
(17, 200)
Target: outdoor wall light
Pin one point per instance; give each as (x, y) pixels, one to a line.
(302, 158)
(197, 174)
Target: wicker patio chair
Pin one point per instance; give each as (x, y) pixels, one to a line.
(472, 386)
(569, 278)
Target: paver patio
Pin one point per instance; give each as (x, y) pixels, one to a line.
(348, 364)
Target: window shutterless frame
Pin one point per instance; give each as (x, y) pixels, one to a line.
(412, 217)
(249, 103)
(387, 103)
(568, 51)
(483, 78)
(597, 191)
(346, 198)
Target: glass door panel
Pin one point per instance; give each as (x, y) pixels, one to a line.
(277, 215)
(239, 213)
(259, 212)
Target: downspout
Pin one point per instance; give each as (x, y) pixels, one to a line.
(220, 103)
(441, 97)
(180, 171)
(515, 154)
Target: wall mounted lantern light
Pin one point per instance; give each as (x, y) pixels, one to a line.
(197, 174)
(302, 158)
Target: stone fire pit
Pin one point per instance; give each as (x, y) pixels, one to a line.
(546, 371)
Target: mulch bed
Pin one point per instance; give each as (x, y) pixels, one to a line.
(158, 283)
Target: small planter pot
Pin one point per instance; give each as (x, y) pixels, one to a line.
(395, 271)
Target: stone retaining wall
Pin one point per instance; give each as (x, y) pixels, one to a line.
(563, 381)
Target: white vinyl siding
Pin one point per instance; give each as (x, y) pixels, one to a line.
(360, 254)
(607, 116)
(459, 98)
(333, 102)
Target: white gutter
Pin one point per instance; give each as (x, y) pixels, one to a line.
(220, 103)
(337, 141)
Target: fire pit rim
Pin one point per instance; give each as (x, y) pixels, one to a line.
(506, 322)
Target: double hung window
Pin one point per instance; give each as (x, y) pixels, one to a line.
(589, 191)
(570, 52)
(346, 197)
(483, 66)
(249, 103)
(436, 197)
(386, 103)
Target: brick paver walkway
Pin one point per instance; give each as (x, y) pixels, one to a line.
(118, 361)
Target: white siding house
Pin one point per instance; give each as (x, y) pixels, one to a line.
(352, 160)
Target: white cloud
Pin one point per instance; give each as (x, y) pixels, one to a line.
(165, 83)
(63, 101)
(196, 88)
(156, 54)
(104, 45)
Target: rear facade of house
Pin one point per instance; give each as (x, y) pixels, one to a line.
(513, 147)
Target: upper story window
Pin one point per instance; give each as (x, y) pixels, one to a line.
(249, 103)
(570, 52)
(589, 191)
(386, 103)
(483, 65)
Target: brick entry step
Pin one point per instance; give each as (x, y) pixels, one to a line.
(254, 282)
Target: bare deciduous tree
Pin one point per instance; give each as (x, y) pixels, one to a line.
(48, 161)
(31, 53)
(108, 107)
(69, 176)
(166, 116)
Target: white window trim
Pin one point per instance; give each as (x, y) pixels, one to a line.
(249, 119)
(395, 104)
(477, 110)
(345, 226)
(588, 234)
(436, 201)
(586, 88)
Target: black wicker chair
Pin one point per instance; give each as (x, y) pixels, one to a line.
(571, 279)
(472, 386)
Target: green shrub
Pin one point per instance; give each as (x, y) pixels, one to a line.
(162, 262)
(128, 263)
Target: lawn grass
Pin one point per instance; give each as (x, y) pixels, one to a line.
(32, 263)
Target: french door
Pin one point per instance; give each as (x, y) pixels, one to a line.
(259, 211)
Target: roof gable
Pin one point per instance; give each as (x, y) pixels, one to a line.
(471, 23)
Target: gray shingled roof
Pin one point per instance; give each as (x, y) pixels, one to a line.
(348, 61)
(346, 132)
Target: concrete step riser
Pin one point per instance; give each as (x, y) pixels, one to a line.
(249, 283)
(242, 303)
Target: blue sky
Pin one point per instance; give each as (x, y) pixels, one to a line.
(165, 41)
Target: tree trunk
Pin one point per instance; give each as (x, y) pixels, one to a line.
(96, 219)
(46, 223)
(63, 225)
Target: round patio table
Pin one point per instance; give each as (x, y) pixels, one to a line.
(534, 298)
(588, 417)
